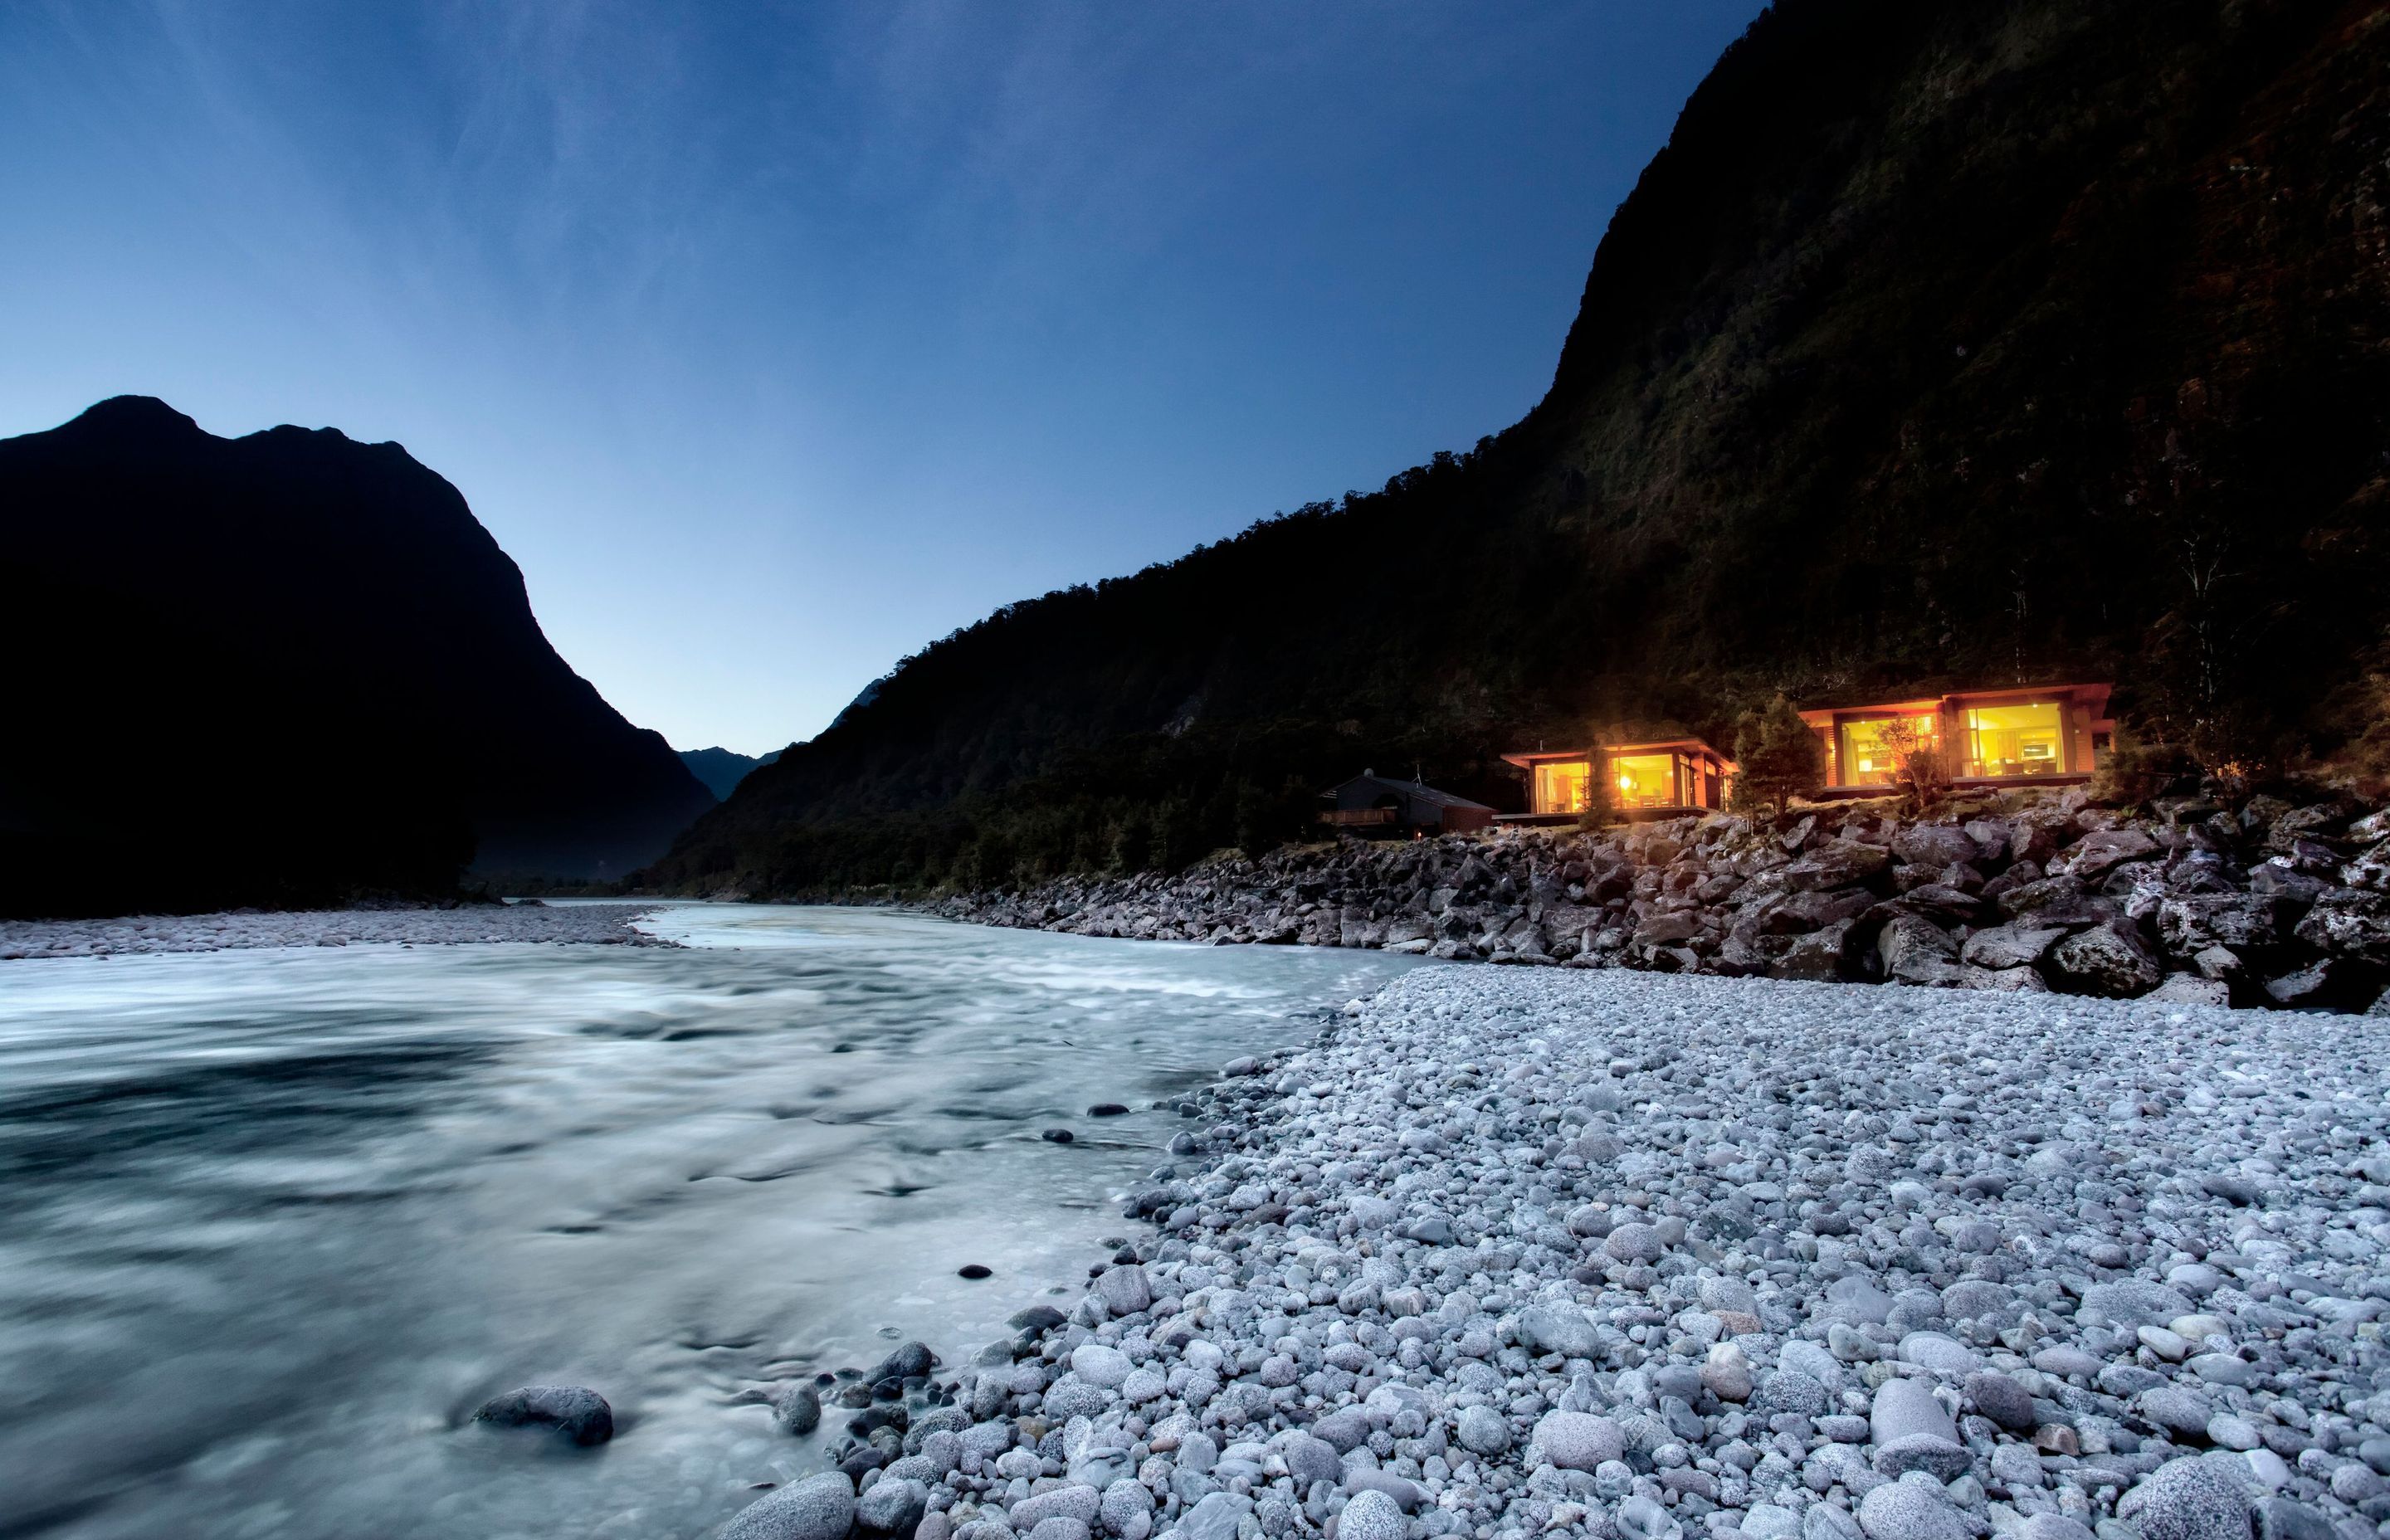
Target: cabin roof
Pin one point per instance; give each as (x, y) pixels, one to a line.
(1417, 791)
(1547, 756)
(2095, 695)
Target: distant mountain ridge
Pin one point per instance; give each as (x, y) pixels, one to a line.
(719, 769)
(1946, 343)
(317, 673)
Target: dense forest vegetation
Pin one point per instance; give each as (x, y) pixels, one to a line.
(1946, 343)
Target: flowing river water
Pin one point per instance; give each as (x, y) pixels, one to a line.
(272, 1223)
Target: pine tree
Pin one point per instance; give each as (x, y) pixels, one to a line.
(1778, 757)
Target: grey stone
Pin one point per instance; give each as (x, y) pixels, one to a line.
(1369, 1516)
(1215, 1516)
(1104, 1367)
(1310, 1459)
(1124, 1289)
(1407, 1495)
(2002, 948)
(1346, 1430)
(1902, 1510)
(1080, 1502)
(1789, 1392)
(1579, 1441)
(2101, 961)
(2002, 1400)
(1557, 1328)
(2189, 1499)
(819, 1507)
(2176, 1409)
(575, 1411)
(892, 1506)
(2137, 1301)
(1483, 1432)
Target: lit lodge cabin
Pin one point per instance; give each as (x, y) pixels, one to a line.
(1646, 780)
(1374, 806)
(2051, 736)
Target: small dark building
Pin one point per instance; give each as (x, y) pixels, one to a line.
(1371, 804)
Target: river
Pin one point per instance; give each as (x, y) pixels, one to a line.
(272, 1223)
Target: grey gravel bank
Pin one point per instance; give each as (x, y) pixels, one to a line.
(578, 924)
(1639, 1257)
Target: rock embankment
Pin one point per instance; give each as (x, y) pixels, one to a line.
(1642, 1258)
(572, 924)
(2262, 903)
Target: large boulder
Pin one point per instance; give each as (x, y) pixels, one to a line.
(2104, 961)
(1837, 864)
(1936, 845)
(2350, 923)
(2328, 983)
(2191, 923)
(1808, 910)
(1917, 951)
(2095, 856)
(2051, 901)
(1823, 955)
(2189, 989)
(2002, 981)
(2014, 946)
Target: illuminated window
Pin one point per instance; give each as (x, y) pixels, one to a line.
(2016, 740)
(1643, 780)
(1560, 788)
(1861, 757)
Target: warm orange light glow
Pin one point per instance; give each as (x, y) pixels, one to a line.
(1863, 758)
(2016, 740)
(1564, 787)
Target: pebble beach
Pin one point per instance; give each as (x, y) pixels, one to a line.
(1637, 1257)
(467, 925)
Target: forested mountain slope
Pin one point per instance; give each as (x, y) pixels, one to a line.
(1943, 343)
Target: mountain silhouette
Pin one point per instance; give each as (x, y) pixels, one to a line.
(285, 668)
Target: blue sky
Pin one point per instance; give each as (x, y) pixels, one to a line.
(773, 343)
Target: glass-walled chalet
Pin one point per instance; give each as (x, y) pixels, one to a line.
(2050, 734)
(1684, 775)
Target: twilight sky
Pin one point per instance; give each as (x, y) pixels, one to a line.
(775, 341)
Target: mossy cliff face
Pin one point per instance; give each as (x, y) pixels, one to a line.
(1945, 344)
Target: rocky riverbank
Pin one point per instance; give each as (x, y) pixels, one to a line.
(1643, 1258)
(567, 925)
(2260, 903)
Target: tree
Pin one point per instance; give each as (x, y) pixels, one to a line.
(1778, 757)
(1916, 760)
(1600, 797)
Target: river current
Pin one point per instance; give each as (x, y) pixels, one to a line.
(272, 1223)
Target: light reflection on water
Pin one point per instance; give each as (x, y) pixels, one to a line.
(273, 1223)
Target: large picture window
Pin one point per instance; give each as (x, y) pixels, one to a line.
(1560, 788)
(2016, 740)
(1644, 780)
(1861, 757)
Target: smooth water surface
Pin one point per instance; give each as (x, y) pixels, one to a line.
(272, 1223)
